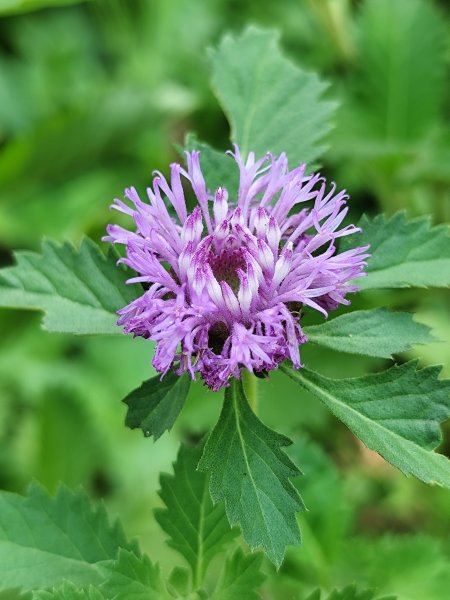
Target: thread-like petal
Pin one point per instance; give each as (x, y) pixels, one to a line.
(228, 283)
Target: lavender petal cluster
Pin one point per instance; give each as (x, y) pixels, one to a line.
(225, 285)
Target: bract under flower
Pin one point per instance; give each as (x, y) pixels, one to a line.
(227, 282)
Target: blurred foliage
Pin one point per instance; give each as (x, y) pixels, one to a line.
(95, 95)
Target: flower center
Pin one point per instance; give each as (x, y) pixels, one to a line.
(217, 337)
(225, 266)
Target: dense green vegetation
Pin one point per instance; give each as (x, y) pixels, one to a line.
(93, 97)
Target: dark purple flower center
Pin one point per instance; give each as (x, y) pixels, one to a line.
(225, 266)
(217, 336)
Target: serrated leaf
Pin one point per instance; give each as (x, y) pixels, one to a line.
(198, 530)
(68, 591)
(132, 577)
(401, 43)
(397, 413)
(241, 577)
(78, 290)
(404, 253)
(45, 540)
(377, 332)
(156, 404)
(250, 472)
(350, 592)
(271, 104)
(219, 169)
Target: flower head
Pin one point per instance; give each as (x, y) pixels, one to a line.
(226, 284)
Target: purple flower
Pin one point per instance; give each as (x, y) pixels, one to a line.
(227, 283)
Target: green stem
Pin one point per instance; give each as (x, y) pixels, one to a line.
(198, 571)
(250, 383)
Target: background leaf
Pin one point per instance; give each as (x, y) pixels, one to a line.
(68, 591)
(156, 404)
(132, 577)
(404, 253)
(351, 592)
(250, 472)
(397, 413)
(377, 332)
(45, 540)
(198, 530)
(390, 130)
(271, 104)
(330, 516)
(401, 52)
(241, 577)
(79, 290)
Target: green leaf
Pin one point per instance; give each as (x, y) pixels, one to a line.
(241, 577)
(45, 540)
(377, 332)
(250, 472)
(404, 253)
(78, 290)
(350, 592)
(156, 404)
(401, 43)
(397, 413)
(132, 577)
(68, 591)
(271, 104)
(198, 530)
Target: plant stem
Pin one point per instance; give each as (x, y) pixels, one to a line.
(250, 383)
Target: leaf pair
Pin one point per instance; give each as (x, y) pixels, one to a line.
(63, 544)
(199, 530)
(248, 468)
(396, 413)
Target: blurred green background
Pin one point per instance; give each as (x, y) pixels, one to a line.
(93, 97)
